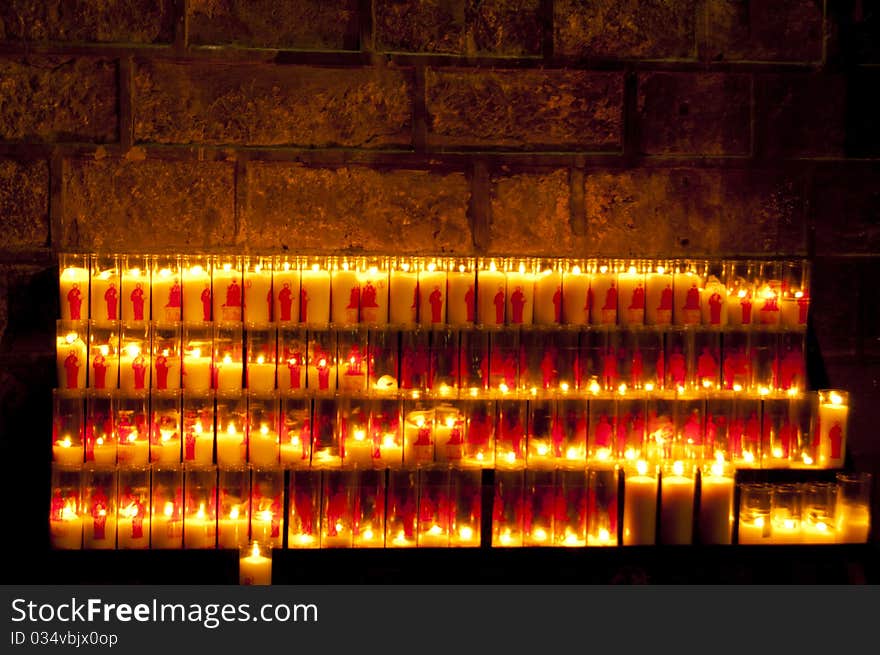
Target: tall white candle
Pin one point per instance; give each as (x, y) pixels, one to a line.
(461, 297)
(227, 292)
(105, 300)
(716, 506)
(261, 375)
(739, 307)
(432, 292)
(286, 291)
(198, 445)
(659, 298)
(640, 508)
(315, 297)
(166, 370)
(258, 298)
(345, 293)
(67, 452)
(603, 286)
(104, 369)
(196, 295)
(231, 447)
(134, 368)
(795, 310)
(714, 303)
(232, 530)
(228, 374)
(548, 298)
(676, 506)
(833, 414)
(196, 371)
(491, 296)
(520, 297)
(132, 450)
(136, 295)
(263, 446)
(631, 297)
(358, 449)
(66, 530)
(576, 297)
(72, 360)
(166, 295)
(73, 283)
(374, 296)
(687, 310)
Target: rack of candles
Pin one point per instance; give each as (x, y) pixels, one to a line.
(162, 506)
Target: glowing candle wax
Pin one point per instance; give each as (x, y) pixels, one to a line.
(461, 296)
(66, 529)
(232, 530)
(520, 296)
(676, 506)
(67, 453)
(491, 296)
(72, 360)
(548, 297)
(254, 568)
(640, 507)
(315, 296)
(73, 285)
(229, 374)
(196, 371)
(134, 368)
(263, 446)
(135, 294)
(345, 291)
(258, 294)
(196, 294)
(432, 292)
(832, 424)
(716, 505)
(231, 446)
(166, 295)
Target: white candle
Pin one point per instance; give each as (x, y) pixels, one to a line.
(345, 297)
(374, 296)
(448, 435)
(818, 532)
(198, 445)
(167, 295)
(292, 373)
(228, 375)
(132, 451)
(403, 297)
(576, 297)
(294, 451)
(133, 528)
(754, 530)
(105, 296)
(767, 305)
(73, 285)
(68, 453)
(640, 508)
(99, 532)
(72, 361)
(714, 303)
(786, 529)
(104, 453)
(603, 287)
(716, 508)
(432, 291)
(199, 530)
(66, 533)
(322, 375)
(104, 373)
(548, 298)
(315, 297)
(853, 523)
(263, 446)
(418, 438)
(166, 531)
(358, 449)
(520, 297)
(286, 291)
(231, 447)
(833, 413)
(461, 297)
(196, 371)
(491, 296)
(688, 309)
(167, 449)
(255, 568)
(258, 295)
(232, 531)
(227, 292)
(795, 309)
(739, 307)
(261, 375)
(631, 297)
(135, 295)
(166, 370)
(676, 506)
(391, 452)
(196, 295)
(659, 298)
(134, 368)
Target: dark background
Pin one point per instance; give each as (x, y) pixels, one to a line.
(549, 127)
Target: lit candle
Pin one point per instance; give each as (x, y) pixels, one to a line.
(105, 295)
(786, 529)
(99, 529)
(358, 449)
(714, 303)
(166, 369)
(254, 567)
(315, 296)
(73, 285)
(286, 291)
(196, 295)
(322, 374)
(491, 295)
(853, 523)
(418, 437)
(658, 297)
(640, 507)
(167, 449)
(104, 452)
(548, 297)
(198, 447)
(196, 371)
(167, 295)
(768, 303)
(66, 527)
(819, 531)
(135, 294)
(433, 537)
(231, 446)
(132, 450)
(391, 451)
(754, 530)
(133, 527)
(134, 368)
(676, 506)
(294, 450)
(232, 530)
(832, 423)
(739, 306)
(104, 367)
(448, 435)
(258, 294)
(263, 446)
(520, 296)
(576, 297)
(631, 297)
(688, 308)
(794, 309)
(199, 529)
(432, 291)
(461, 296)
(345, 294)
(72, 358)
(227, 293)
(261, 375)
(68, 453)
(404, 295)
(228, 375)
(373, 283)
(603, 289)
(166, 527)
(716, 504)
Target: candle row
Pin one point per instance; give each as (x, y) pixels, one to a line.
(210, 507)
(443, 362)
(430, 291)
(808, 430)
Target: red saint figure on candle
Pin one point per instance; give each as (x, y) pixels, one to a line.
(604, 432)
(517, 303)
(368, 297)
(791, 369)
(746, 304)
(835, 436)
(707, 368)
(294, 364)
(137, 302)
(285, 301)
(233, 295)
(712, 425)
(99, 513)
(557, 437)
(478, 431)
(305, 511)
(770, 308)
(664, 309)
(354, 299)
(138, 365)
(469, 303)
(610, 299)
(677, 367)
(161, 372)
(323, 374)
(693, 432)
(787, 436)
(691, 309)
(637, 302)
(588, 305)
(407, 368)
(498, 301)
(637, 369)
(206, 303)
(436, 300)
(174, 296)
(336, 511)
(803, 306)
(100, 368)
(512, 431)
(414, 308)
(609, 369)
(134, 508)
(557, 304)
(71, 368)
(189, 446)
(111, 296)
(715, 302)
(305, 438)
(303, 304)
(548, 369)
(74, 302)
(661, 368)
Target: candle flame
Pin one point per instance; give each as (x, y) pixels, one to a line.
(104, 350)
(836, 398)
(65, 443)
(576, 270)
(230, 429)
(511, 457)
(678, 468)
(798, 294)
(68, 512)
(197, 428)
(492, 266)
(563, 386)
(604, 535)
(133, 350)
(266, 516)
(197, 270)
(432, 267)
(169, 509)
(649, 386)
(196, 352)
(505, 537)
(164, 272)
(71, 337)
(539, 534)
(264, 429)
(642, 467)
(461, 268)
(316, 267)
(359, 435)
(522, 268)
(503, 388)
(542, 449)
(632, 270)
(435, 530)
(603, 269)
(105, 275)
(233, 513)
(572, 453)
(594, 387)
(622, 389)
(737, 387)
(135, 272)
(261, 359)
(466, 533)
(227, 359)
(201, 513)
(255, 550)
(807, 459)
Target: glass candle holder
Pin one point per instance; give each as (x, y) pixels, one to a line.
(263, 429)
(258, 301)
(631, 292)
(267, 505)
(345, 292)
(690, 429)
(449, 433)
(255, 564)
(196, 275)
(314, 296)
(326, 445)
(479, 446)
(166, 343)
(786, 506)
(73, 286)
(819, 521)
(630, 433)
(715, 518)
(385, 432)
(368, 513)
(511, 438)
(352, 357)
(292, 359)
(736, 361)
(491, 292)
(764, 351)
(719, 414)
(358, 449)
(474, 362)
(322, 362)
(231, 431)
(233, 506)
(778, 434)
(68, 422)
(228, 358)
(166, 507)
(801, 423)
(418, 433)
(707, 361)
(261, 359)
(795, 294)
(640, 492)
(508, 508)
(402, 513)
(521, 277)
(103, 365)
(603, 292)
(569, 431)
(539, 367)
(545, 435)
(768, 294)
(687, 280)
(66, 513)
(295, 440)
(133, 508)
(540, 508)
(285, 289)
(753, 523)
(831, 423)
(165, 427)
(72, 354)
(679, 360)
(611, 357)
(166, 289)
(576, 298)
(601, 505)
(414, 363)
(740, 277)
(198, 351)
(714, 294)
(660, 425)
(382, 372)
(100, 436)
(601, 444)
(435, 508)
(304, 514)
(134, 357)
(853, 507)
(373, 278)
(198, 428)
(745, 432)
(792, 365)
(570, 521)
(643, 366)
(200, 507)
(461, 280)
(677, 492)
(548, 292)
(105, 288)
(227, 280)
(403, 292)
(432, 292)
(659, 294)
(99, 507)
(336, 508)
(466, 498)
(443, 362)
(132, 425)
(136, 288)
(504, 361)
